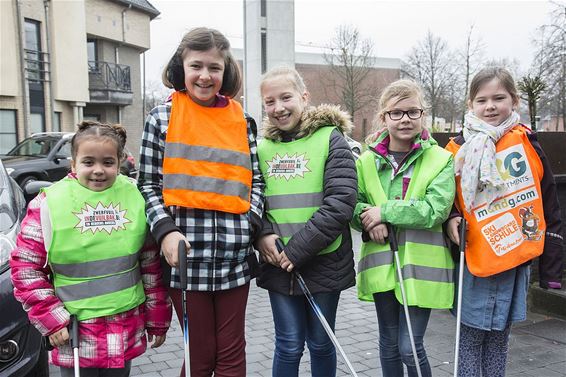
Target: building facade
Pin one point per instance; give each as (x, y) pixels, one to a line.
(65, 61)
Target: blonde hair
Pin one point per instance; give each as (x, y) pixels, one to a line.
(294, 77)
(400, 90)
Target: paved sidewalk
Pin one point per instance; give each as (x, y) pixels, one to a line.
(537, 346)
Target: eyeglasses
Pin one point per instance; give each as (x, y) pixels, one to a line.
(413, 114)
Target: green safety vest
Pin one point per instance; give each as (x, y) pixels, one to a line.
(95, 247)
(426, 262)
(294, 182)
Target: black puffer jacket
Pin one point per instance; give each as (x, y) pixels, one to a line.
(333, 271)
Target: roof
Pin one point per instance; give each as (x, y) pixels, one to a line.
(143, 5)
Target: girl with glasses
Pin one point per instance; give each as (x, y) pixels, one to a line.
(406, 180)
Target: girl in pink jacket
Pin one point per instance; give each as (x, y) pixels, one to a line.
(111, 331)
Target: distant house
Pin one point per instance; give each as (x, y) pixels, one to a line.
(65, 61)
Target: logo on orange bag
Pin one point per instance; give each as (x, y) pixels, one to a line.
(530, 222)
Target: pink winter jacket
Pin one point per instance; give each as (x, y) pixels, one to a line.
(105, 342)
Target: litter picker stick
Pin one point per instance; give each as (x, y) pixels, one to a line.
(462, 248)
(182, 253)
(318, 312)
(74, 329)
(395, 247)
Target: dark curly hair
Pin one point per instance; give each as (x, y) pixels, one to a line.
(94, 130)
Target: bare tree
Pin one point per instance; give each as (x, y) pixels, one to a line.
(550, 61)
(430, 63)
(351, 61)
(469, 55)
(532, 87)
(155, 93)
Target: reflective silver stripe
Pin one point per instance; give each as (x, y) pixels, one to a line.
(442, 275)
(287, 230)
(96, 268)
(294, 200)
(98, 287)
(422, 236)
(200, 153)
(206, 184)
(382, 258)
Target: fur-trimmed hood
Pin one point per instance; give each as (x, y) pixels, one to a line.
(312, 119)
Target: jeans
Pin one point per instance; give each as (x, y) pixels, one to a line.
(394, 342)
(295, 322)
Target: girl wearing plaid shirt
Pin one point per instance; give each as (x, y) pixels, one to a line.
(200, 176)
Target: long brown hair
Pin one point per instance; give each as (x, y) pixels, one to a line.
(203, 39)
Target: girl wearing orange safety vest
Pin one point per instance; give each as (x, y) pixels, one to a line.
(507, 194)
(200, 176)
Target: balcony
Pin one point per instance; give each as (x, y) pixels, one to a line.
(109, 83)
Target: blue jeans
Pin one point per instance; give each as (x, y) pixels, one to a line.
(295, 322)
(394, 342)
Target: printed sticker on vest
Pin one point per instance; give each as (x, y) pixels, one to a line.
(515, 171)
(288, 166)
(101, 218)
(503, 234)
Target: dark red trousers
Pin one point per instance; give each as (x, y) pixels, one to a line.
(217, 343)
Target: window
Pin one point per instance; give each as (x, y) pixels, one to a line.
(35, 76)
(56, 126)
(92, 53)
(37, 123)
(33, 50)
(8, 130)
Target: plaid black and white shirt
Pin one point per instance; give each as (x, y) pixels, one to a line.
(220, 241)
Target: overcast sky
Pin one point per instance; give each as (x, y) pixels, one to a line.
(506, 28)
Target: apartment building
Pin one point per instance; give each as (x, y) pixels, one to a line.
(65, 61)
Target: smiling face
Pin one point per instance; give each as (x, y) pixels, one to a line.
(283, 103)
(204, 71)
(96, 163)
(402, 132)
(492, 103)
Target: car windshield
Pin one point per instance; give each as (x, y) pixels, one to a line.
(34, 147)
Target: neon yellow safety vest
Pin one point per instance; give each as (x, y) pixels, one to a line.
(294, 182)
(95, 247)
(426, 262)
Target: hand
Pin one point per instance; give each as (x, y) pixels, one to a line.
(452, 229)
(59, 338)
(159, 340)
(266, 247)
(371, 217)
(170, 247)
(379, 234)
(286, 263)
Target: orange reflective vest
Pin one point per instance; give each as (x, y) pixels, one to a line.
(207, 162)
(511, 231)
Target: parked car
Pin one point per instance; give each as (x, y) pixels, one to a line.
(355, 146)
(22, 348)
(46, 156)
